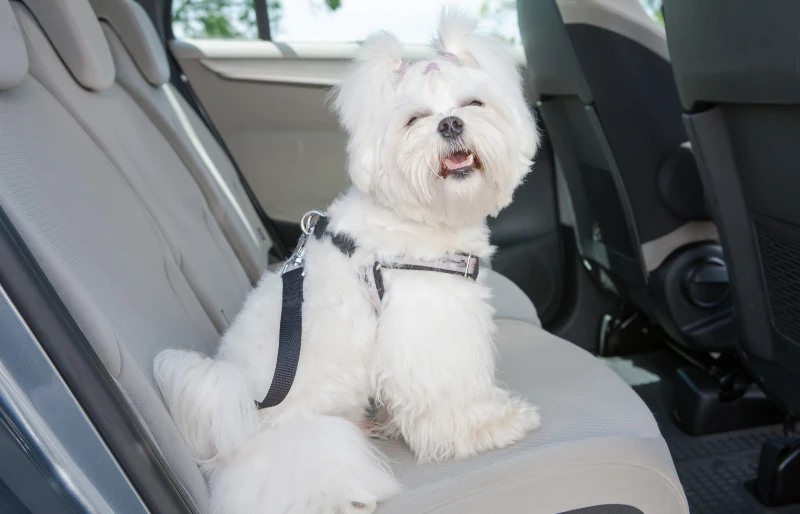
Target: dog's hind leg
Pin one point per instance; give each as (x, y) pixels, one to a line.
(213, 401)
(319, 464)
(209, 401)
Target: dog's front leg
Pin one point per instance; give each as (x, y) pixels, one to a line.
(434, 373)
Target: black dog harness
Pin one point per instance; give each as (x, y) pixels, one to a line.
(291, 326)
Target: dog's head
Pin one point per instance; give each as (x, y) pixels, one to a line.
(442, 141)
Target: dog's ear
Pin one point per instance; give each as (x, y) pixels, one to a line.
(362, 101)
(458, 36)
(459, 40)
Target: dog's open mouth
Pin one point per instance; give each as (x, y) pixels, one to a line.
(459, 164)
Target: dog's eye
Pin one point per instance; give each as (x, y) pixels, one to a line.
(476, 103)
(417, 116)
(414, 117)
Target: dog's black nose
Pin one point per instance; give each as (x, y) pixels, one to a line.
(451, 127)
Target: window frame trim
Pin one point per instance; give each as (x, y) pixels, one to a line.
(262, 20)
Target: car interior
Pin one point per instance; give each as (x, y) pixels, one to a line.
(147, 180)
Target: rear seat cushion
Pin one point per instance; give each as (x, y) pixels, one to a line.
(14, 64)
(138, 35)
(508, 300)
(72, 29)
(598, 443)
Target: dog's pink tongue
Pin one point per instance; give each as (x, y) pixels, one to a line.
(458, 160)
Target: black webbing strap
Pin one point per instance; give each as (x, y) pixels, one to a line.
(343, 242)
(291, 327)
(291, 332)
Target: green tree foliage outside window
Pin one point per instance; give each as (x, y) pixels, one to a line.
(495, 13)
(236, 19)
(654, 8)
(227, 19)
(224, 19)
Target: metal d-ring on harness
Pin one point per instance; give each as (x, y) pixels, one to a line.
(291, 327)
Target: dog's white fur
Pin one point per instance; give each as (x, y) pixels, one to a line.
(428, 358)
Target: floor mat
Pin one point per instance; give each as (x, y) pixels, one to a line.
(713, 469)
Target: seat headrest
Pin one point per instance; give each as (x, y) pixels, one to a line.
(13, 56)
(133, 26)
(624, 17)
(75, 33)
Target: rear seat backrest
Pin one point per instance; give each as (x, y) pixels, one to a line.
(14, 59)
(97, 244)
(143, 70)
(137, 148)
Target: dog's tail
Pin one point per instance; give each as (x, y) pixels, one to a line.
(209, 401)
(319, 464)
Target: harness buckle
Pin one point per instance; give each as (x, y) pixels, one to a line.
(307, 224)
(297, 259)
(466, 267)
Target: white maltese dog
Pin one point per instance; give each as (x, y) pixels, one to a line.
(434, 148)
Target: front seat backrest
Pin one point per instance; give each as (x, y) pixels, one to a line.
(736, 68)
(600, 71)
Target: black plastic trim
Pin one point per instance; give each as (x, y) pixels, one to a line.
(73, 356)
(606, 509)
(584, 303)
(262, 20)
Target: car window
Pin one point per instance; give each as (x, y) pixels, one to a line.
(331, 21)
(218, 19)
(653, 8)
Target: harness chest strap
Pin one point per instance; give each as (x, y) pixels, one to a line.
(291, 325)
(454, 264)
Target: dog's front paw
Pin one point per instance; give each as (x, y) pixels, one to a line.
(508, 425)
(467, 431)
